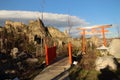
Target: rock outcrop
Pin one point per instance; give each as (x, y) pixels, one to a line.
(56, 33)
(105, 61)
(114, 48)
(35, 27)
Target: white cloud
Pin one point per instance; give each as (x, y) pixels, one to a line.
(57, 20)
(52, 19)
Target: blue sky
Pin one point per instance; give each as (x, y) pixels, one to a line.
(95, 12)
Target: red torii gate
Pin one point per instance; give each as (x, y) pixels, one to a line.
(93, 29)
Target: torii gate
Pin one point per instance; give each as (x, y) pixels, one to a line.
(93, 30)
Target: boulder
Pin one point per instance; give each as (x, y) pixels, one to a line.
(31, 60)
(14, 52)
(114, 48)
(10, 71)
(105, 61)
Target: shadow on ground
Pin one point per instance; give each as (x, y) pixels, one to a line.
(63, 75)
(107, 74)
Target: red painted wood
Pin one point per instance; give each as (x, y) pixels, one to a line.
(50, 54)
(70, 52)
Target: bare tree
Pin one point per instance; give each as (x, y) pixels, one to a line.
(69, 24)
(42, 7)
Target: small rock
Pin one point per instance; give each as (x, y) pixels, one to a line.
(10, 71)
(14, 52)
(32, 60)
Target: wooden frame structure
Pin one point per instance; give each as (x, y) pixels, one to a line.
(93, 30)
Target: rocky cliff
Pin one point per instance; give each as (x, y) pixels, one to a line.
(35, 27)
(54, 32)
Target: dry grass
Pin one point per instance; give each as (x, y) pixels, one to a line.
(85, 69)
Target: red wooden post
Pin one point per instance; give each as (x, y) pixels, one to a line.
(46, 51)
(103, 33)
(70, 52)
(83, 41)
